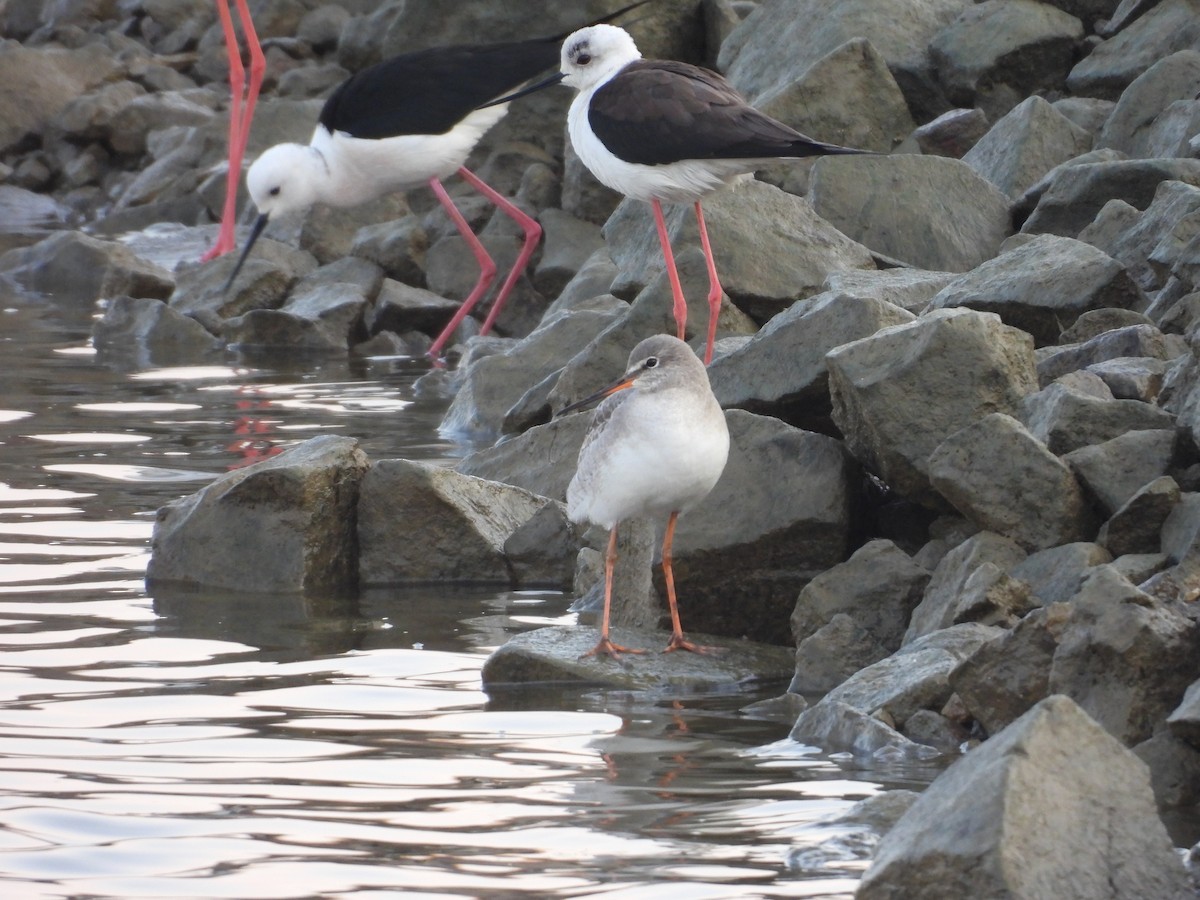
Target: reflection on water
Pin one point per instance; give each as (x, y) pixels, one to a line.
(201, 745)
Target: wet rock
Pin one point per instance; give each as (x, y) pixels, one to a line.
(323, 318)
(424, 522)
(996, 53)
(1005, 480)
(149, 332)
(73, 267)
(1055, 766)
(970, 361)
(861, 196)
(1025, 144)
(833, 653)
(835, 727)
(770, 247)
(284, 524)
(541, 550)
(948, 583)
(400, 307)
(556, 655)
(781, 370)
(1066, 419)
(1042, 286)
(1125, 656)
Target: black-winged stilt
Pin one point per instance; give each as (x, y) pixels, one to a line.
(241, 113)
(656, 446)
(660, 130)
(410, 120)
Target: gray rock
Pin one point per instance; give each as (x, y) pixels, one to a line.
(1009, 674)
(949, 580)
(400, 307)
(833, 653)
(915, 677)
(1150, 247)
(1174, 769)
(567, 244)
(1135, 527)
(835, 726)
(1108, 355)
(1065, 419)
(970, 361)
(1055, 574)
(993, 597)
(910, 289)
(541, 460)
(996, 53)
(1138, 568)
(1095, 322)
(1029, 141)
(1184, 721)
(952, 133)
(150, 333)
(781, 39)
(1123, 655)
(1130, 127)
(1114, 470)
(781, 370)
(128, 129)
(325, 318)
(1055, 766)
(284, 524)
(541, 550)
(398, 247)
(1156, 33)
(931, 212)
(555, 655)
(878, 587)
(1004, 480)
(1089, 113)
(72, 267)
(1042, 286)
(1075, 193)
(771, 249)
(424, 522)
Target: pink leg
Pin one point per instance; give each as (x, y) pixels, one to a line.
(533, 233)
(672, 275)
(714, 287)
(487, 268)
(240, 115)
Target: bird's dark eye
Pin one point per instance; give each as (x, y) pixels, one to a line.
(274, 192)
(650, 363)
(583, 59)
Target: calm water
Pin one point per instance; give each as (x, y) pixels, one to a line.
(239, 746)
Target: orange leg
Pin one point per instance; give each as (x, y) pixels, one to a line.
(680, 304)
(240, 115)
(714, 286)
(678, 641)
(605, 647)
(533, 234)
(487, 267)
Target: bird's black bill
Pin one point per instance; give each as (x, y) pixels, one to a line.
(259, 224)
(532, 89)
(619, 385)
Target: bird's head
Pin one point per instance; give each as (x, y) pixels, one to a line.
(284, 179)
(594, 54)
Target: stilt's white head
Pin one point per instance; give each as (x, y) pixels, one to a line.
(592, 55)
(285, 178)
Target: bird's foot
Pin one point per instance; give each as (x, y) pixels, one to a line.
(679, 642)
(606, 647)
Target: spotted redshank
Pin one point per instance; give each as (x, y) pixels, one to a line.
(655, 446)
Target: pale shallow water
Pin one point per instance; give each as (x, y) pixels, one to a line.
(197, 745)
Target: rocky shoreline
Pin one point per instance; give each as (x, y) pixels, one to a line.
(960, 377)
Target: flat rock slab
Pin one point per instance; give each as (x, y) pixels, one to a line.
(554, 655)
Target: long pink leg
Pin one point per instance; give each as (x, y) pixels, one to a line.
(680, 304)
(714, 286)
(605, 646)
(240, 115)
(678, 641)
(533, 234)
(487, 267)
